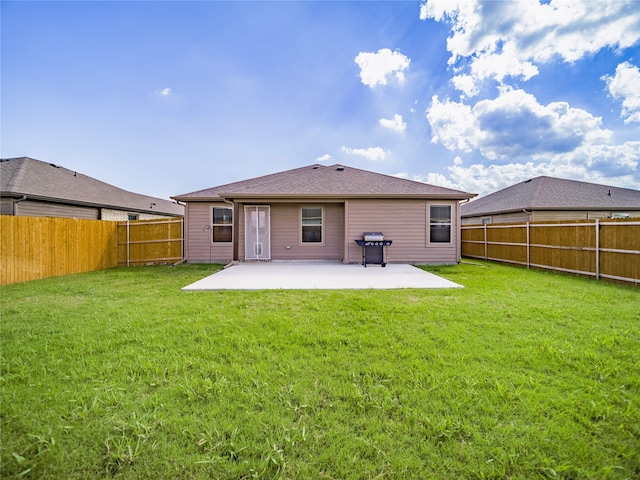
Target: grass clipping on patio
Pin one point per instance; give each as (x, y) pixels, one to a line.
(522, 374)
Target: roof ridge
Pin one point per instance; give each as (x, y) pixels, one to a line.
(546, 192)
(538, 189)
(408, 180)
(40, 179)
(324, 180)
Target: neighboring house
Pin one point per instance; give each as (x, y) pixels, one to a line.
(317, 212)
(548, 199)
(34, 188)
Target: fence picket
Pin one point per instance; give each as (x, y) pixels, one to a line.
(607, 249)
(150, 241)
(33, 248)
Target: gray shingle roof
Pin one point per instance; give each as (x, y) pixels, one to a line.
(46, 181)
(335, 181)
(549, 193)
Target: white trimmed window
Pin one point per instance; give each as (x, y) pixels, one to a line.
(222, 224)
(311, 223)
(439, 223)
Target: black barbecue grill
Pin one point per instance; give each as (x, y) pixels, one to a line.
(373, 244)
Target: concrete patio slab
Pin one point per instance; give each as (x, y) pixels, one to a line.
(306, 275)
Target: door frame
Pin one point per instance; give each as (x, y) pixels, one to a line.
(248, 238)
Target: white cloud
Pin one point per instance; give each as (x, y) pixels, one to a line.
(372, 153)
(395, 123)
(453, 125)
(466, 84)
(323, 158)
(605, 160)
(513, 125)
(376, 68)
(625, 85)
(508, 39)
(485, 179)
(165, 92)
(606, 164)
(522, 137)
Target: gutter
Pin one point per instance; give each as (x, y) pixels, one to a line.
(15, 204)
(332, 198)
(82, 203)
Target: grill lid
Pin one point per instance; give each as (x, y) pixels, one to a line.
(373, 236)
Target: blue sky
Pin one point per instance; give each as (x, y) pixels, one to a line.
(164, 98)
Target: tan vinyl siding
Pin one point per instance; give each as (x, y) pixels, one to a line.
(547, 216)
(198, 245)
(6, 206)
(34, 208)
(286, 231)
(405, 223)
(554, 215)
(123, 215)
(516, 217)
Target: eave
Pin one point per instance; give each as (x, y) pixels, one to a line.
(80, 203)
(289, 198)
(548, 209)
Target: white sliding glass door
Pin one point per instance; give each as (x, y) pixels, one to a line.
(257, 232)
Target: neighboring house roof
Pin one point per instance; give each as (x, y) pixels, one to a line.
(48, 182)
(322, 181)
(549, 193)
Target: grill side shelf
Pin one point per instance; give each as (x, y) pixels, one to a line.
(378, 243)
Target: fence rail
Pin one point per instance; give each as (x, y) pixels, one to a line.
(150, 241)
(608, 249)
(33, 248)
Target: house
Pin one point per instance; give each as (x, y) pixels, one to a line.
(30, 187)
(548, 198)
(318, 212)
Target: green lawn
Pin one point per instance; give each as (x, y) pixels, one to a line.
(522, 374)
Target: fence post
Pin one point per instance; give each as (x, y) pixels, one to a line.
(597, 249)
(182, 252)
(528, 246)
(486, 254)
(128, 256)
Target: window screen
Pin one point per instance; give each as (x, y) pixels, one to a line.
(440, 223)
(311, 224)
(222, 225)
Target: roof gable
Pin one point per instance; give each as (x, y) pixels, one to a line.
(46, 181)
(324, 181)
(550, 193)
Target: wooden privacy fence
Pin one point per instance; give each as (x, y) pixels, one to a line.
(607, 249)
(142, 242)
(32, 248)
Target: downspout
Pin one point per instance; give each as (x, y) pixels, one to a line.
(15, 205)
